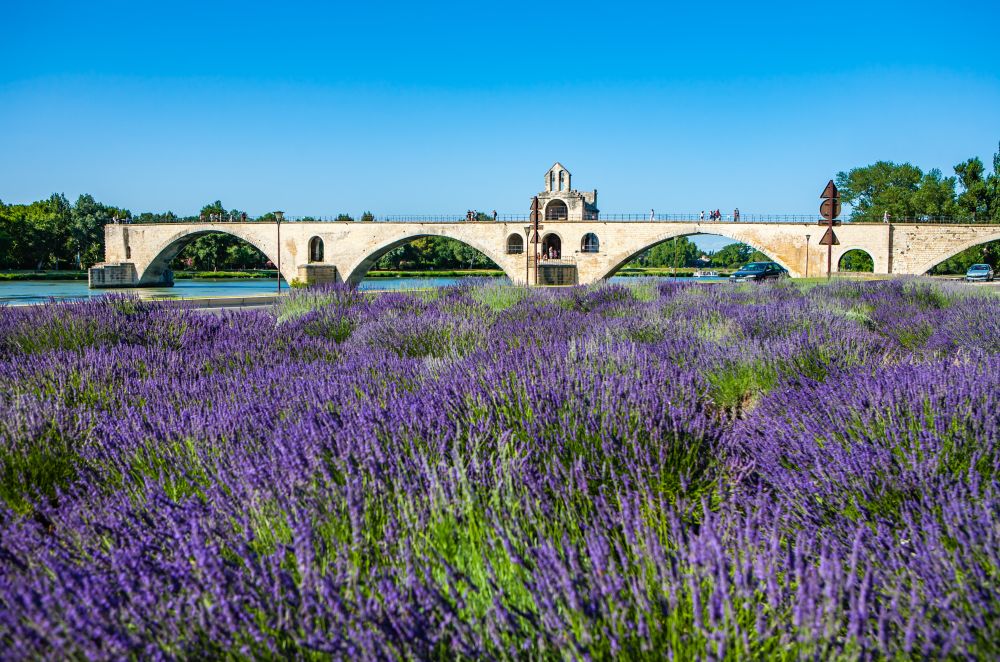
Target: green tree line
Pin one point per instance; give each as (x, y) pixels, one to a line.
(905, 191)
(56, 234)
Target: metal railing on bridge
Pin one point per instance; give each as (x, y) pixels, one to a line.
(691, 217)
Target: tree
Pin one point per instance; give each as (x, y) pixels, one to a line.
(86, 231)
(974, 201)
(732, 255)
(367, 217)
(680, 251)
(960, 263)
(856, 260)
(883, 186)
(344, 217)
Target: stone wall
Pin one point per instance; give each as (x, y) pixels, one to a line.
(350, 248)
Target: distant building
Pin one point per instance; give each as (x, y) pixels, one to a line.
(560, 202)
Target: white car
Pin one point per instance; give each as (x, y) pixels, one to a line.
(979, 272)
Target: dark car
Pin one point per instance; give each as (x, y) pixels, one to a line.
(758, 271)
(979, 272)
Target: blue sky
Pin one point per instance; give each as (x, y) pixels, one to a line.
(436, 108)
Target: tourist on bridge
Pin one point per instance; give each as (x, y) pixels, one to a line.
(494, 215)
(736, 215)
(652, 215)
(701, 217)
(885, 216)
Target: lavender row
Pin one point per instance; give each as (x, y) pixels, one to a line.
(650, 470)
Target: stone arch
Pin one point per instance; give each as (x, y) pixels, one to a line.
(622, 258)
(316, 249)
(155, 270)
(952, 251)
(556, 210)
(357, 272)
(553, 240)
(850, 249)
(515, 244)
(590, 243)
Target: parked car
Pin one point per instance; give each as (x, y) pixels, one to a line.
(979, 272)
(758, 271)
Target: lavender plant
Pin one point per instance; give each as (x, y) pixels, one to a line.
(648, 471)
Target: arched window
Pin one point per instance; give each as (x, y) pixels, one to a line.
(315, 249)
(552, 180)
(551, 247)
(562, 180)
(556, 211)
(515, 244)
(590, 243)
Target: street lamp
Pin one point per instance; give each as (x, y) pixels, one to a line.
(807, 256)
(278, 217)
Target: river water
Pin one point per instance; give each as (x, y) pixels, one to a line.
(41, 291)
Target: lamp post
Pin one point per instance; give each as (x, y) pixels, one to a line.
(807, 256)
(278, 217)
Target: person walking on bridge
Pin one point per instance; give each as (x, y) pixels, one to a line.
(736, 215)
(885, 216)
(494, 215)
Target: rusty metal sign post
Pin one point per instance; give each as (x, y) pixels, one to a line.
(536, 227)
(829, 209)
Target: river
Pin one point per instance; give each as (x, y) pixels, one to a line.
(41, 291)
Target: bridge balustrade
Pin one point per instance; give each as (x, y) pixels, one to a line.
(691, 217)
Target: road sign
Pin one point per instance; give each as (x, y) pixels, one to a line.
(829, 238)
(830, 209)
(830, 191)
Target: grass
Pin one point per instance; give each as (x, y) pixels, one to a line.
(241, 273)
(42, 275)
(435, 273)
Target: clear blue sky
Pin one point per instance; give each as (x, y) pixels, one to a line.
(427, 108)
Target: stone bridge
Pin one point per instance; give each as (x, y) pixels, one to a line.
(316, 252)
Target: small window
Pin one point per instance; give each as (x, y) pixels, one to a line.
(590, 243)
(562, 180)
(315, 249)
(515, 244)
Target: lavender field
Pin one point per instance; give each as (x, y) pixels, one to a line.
(645, 470)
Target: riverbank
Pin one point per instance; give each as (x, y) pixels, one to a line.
(27, 275)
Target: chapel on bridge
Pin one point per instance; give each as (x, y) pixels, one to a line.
(561, 202)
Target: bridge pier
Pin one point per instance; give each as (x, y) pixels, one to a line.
(107, 275)
(317, 274)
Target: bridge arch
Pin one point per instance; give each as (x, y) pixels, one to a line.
(843, 252)
(620, 259)
(356, 273)
(952, 251)
(153, 271)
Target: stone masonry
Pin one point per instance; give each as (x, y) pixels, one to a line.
(138, 255)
